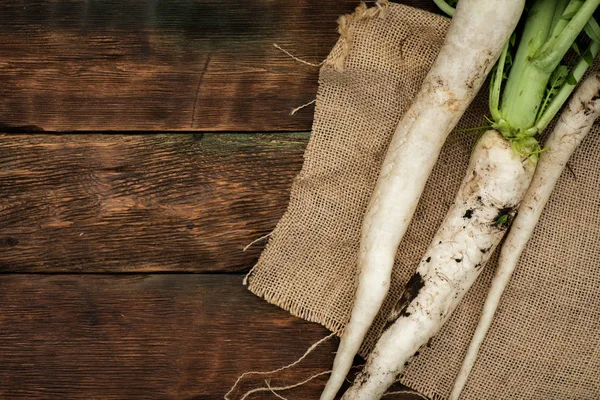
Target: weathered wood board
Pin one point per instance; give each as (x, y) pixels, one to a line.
(148, 337)
(123, 203)
(163, 65)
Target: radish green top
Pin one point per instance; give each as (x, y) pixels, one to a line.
(530, 85)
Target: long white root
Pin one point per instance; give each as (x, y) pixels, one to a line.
(487, 200)
(478, 32)
(574, 124)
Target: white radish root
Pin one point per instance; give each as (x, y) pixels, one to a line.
(487, 200)
(477, 35)
(574, 124)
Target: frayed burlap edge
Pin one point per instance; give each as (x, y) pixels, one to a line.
(342, 49)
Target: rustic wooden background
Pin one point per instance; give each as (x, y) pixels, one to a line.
(143, 144)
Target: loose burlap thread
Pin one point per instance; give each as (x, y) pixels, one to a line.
(545, 340)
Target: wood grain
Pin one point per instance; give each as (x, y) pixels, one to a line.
(163, 65)
(123, 203)
(148, 337)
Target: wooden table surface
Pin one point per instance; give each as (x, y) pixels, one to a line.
(143, 144)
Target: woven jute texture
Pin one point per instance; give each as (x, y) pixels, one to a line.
(545, 340)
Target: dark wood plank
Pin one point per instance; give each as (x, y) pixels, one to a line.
(123, 203)
(155, 65)
(147, 337)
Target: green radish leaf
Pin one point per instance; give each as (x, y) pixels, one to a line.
(588, 58)
(575, 48)
(509, 60)
(556, 81)
(502, 220)
(558, 77)
(571, 80)
(592, 30)
(573, 7)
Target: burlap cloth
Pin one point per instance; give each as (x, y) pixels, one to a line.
(545, 340)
